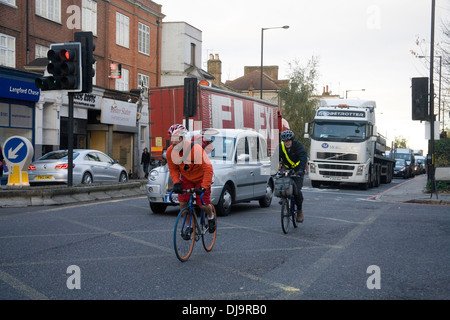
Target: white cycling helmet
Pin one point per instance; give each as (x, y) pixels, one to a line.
(177, 130)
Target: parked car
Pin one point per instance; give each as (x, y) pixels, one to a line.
(89, 166)
(402, 169)
(241, 166)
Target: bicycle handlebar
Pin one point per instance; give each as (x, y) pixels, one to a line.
(186, 191)
(288, 173)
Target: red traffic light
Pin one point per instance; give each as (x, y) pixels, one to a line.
(65, 67)
(67, 55)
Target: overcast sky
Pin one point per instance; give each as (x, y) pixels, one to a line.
(361, 44)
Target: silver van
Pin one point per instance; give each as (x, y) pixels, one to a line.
(242, 172)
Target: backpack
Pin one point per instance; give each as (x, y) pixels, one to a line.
(200, 139)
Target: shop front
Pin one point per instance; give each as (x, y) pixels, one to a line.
(18, 96)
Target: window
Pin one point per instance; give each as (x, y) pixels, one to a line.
(90, 16)
(50, 9)
(122, 30)
(122, 84)
(143, 81)
(192, 54)
(10, 2)
(41, 51)
(144, 39)
(7, 51)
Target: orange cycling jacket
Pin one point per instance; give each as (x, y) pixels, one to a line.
(195, 166)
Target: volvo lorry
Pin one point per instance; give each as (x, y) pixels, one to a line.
(345, 146)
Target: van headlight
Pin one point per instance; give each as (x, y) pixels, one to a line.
(153, 175)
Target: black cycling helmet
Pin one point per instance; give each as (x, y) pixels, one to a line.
(287, 135)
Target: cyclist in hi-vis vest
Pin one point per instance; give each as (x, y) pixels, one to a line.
(293, 156)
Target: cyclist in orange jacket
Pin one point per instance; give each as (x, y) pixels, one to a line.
(190, 167)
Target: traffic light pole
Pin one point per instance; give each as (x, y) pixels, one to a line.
(70, 141)
(431, 113)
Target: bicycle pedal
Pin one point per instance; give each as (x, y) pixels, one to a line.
(186, 234)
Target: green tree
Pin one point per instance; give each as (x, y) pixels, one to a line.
(400, 142)
(298, 106)
(442, 152)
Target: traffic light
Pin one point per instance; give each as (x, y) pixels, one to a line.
(87, 61)
(190, 97)
(420, 99)
(64, 65)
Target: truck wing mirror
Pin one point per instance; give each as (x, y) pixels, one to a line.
(306, 135)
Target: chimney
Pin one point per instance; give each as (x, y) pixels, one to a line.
(215, 68)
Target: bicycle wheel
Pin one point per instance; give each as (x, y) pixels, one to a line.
(294, 213)
(184, 234)
(208, 238)
(285, 215)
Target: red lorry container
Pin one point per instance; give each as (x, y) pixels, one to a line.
(216, 108)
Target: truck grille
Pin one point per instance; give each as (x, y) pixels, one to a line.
(336, 156)
(336, 166)
(335, 173)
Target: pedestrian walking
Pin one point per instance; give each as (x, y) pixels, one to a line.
(145, 161)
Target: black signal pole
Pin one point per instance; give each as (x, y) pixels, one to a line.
(70, 141)
(431, 113)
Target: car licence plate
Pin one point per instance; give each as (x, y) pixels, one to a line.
(167, 198)
(43, 177)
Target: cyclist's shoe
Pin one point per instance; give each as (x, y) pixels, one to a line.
(212, 225)
(300, 216)
(186, 234)
(280, 201)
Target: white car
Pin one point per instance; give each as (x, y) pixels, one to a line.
(242, 172)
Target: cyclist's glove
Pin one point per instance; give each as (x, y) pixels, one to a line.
(199, 190)
(177, 188)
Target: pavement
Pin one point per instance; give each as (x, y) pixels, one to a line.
(61, 194)
(413, 191)
(407, 191)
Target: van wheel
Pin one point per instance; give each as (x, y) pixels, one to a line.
(223, 208)
(267, 200)
(158, 207)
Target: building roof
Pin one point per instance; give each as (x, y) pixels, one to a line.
(251, 81)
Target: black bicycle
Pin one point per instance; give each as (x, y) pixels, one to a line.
(285, 190)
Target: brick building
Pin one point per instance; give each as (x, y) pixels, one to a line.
(126, 33)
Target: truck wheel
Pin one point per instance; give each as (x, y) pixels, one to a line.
(364, 186)
(377, 175)
(223, 208)
(315, 184)
(158, 207)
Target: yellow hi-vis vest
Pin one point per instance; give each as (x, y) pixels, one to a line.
(293, 165)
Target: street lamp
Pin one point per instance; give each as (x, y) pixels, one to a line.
(346, 91)
(262, 64)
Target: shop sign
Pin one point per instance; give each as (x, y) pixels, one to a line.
(119, 113)
(115, 70)
(86, 100)
(20, 90)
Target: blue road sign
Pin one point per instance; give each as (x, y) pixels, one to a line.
(15, 150)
